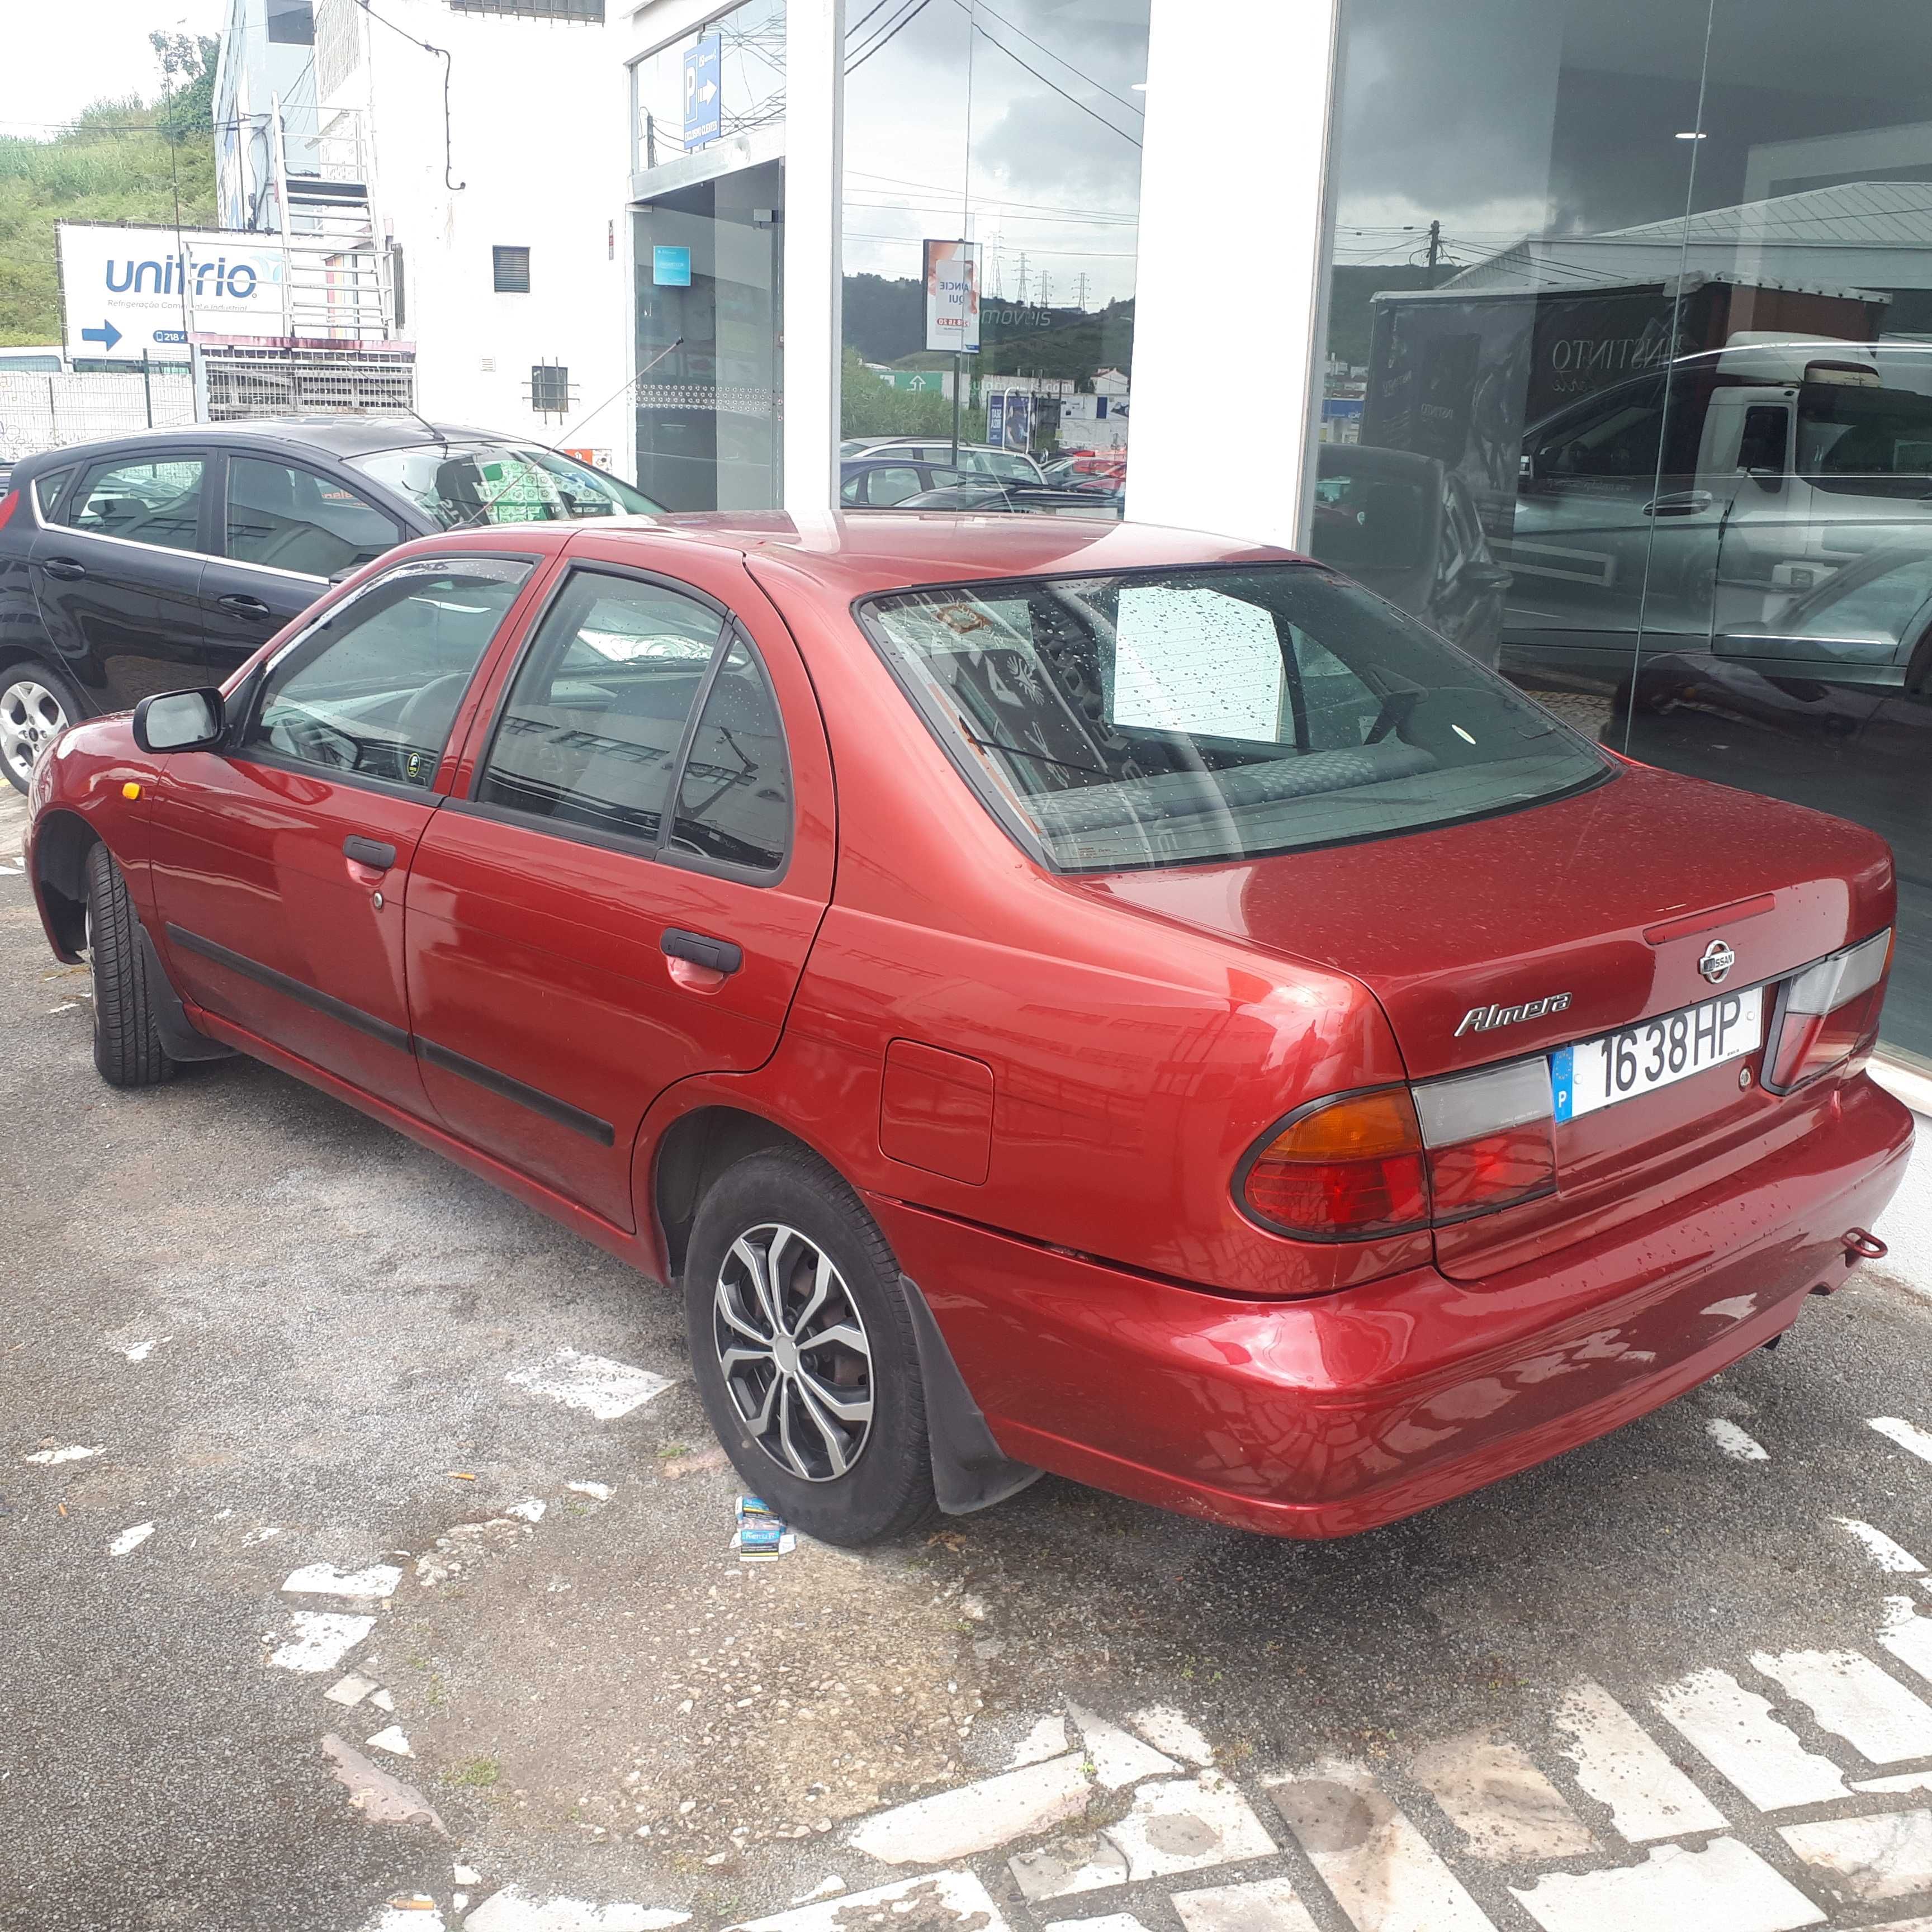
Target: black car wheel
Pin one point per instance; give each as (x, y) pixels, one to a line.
(803, 1349)
(127, 1045)
(35, 703)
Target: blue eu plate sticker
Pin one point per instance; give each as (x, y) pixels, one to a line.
(1562, 1080)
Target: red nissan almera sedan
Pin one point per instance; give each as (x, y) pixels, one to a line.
(1058, 997)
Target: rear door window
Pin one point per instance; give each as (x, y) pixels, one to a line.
(734, 796)
(156, 501)
(595, 717)
(285, 517)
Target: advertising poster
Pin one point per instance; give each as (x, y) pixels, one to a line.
(953, 297)
(123, 290)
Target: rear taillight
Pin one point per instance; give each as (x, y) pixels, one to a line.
(1826, 1014)
(10, 501)
(1397, 1158)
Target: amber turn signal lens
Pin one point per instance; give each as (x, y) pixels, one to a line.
(1350, 1168)
(131, 790)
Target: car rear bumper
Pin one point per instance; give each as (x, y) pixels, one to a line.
(1333, 1414)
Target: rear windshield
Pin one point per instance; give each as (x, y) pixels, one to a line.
(461, 485)
(1158, 718)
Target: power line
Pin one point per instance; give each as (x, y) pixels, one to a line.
(1074, 99)
(893, 29)
(980, 7)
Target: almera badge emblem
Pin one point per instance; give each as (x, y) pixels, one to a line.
(1718, 960)
(1481, 1019)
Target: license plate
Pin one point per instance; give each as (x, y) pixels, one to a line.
(1654, 1053)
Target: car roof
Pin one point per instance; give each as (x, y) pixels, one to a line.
(339, 435)
(867, 551)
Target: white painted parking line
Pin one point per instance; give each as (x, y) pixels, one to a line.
(1506, 1810)
(74, 1453)
(1736, 1443)
(1908, 1636)
(1188, 1824)
(606, 1389)
(393, 1740)
(1868, 1861)
(349, 1690)
(1619, 1765)
(1118, 1757)
(1068, 1866)
(1107, 1921)
(322, 1639)
(979, 1816)
(324, 1579)
(1167, 1730)
(1726, 1887)
(1853, 1698)
(1734, 1729)
(130, 1540)
(1888, 1555)
(1907, 1435)
(1379, 1867)
(514, 1910)
(1047, 1738)
(937, 1899)
(1262, 1905)
(417, 1914)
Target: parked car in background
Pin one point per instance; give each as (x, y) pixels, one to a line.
(1078, 465)
(977, 459)
(1118, 1001)
(127, 566)
(1405, 526)
(1030, 499)
(877, 481)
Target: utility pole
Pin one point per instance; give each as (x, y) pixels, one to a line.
(1083, 292)
(1435, 250)
(1045, 289)
(1023, 278)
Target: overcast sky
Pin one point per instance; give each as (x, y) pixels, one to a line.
(54, 65)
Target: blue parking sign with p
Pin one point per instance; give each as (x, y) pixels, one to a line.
(703, 65)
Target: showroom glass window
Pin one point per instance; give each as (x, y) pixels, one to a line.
(1014, 124)
(1641, 297)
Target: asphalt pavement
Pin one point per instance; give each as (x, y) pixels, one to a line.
(365, 1562)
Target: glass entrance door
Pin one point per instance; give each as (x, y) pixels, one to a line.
(709, 266)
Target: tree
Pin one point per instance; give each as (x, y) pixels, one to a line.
(187, 85)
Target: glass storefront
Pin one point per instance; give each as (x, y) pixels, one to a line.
(1015, 126)
(1629, 381)
(707, 227)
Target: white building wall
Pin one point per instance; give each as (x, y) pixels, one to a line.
(538, 139)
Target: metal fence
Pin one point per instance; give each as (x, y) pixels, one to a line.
(49, 411)
(244, 382)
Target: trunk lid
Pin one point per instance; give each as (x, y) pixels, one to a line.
(1610, 898)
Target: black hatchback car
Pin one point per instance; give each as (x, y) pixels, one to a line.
(162, 559)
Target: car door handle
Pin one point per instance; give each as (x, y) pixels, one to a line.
(716, 956)
(373, 853)
(245, 607)
(64, 567)
(1684, 503)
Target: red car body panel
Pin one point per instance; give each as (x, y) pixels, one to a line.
(1042, 1084)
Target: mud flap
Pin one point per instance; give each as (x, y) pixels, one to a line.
(970, 1470)
(179, 1039)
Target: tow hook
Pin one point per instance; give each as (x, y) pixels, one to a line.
(1862, 1245)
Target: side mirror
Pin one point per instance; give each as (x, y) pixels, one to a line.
(180, 720)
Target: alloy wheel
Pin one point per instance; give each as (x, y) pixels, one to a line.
(30, 714)
(793, 1348)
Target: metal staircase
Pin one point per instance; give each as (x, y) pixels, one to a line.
(337, 289)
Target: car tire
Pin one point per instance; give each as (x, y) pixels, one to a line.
(35, 703)
(127, 1044)
(790, 1417)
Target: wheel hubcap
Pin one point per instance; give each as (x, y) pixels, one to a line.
(793, 1348)
(30, 714)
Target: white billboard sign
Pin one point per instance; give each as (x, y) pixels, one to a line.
(953, 297)
(128, 291)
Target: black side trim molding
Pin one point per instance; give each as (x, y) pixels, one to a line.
(534, 1098)
(181, 1040)
(297, 990)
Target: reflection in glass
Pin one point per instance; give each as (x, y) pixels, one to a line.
(1653, 286)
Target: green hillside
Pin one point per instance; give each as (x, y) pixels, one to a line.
(121, 160)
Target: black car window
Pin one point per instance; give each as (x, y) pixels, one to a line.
(291, 519)
(1620, 436)
(591, 730)
(157, 501)
(892, 483)
(49, 490)
(373, 689)
(734, 799)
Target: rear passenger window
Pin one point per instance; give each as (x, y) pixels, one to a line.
(48, 491)
(591, 730)
(734, 799)
(291, 519)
